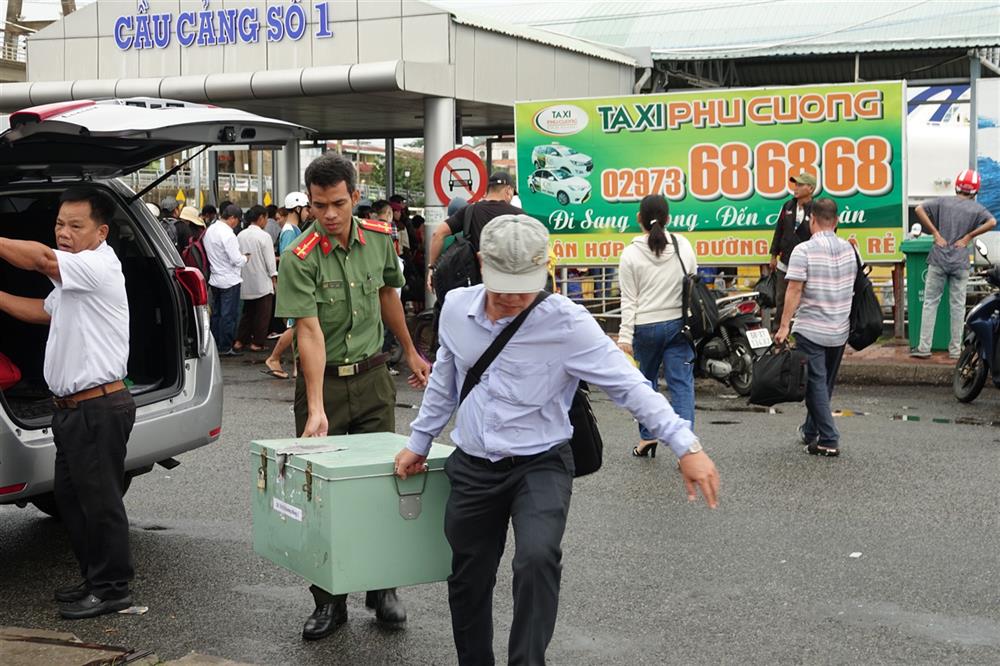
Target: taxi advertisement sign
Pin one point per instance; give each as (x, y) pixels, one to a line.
(722, 158)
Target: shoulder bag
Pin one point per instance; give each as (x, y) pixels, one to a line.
(698, 307)
(586, 442)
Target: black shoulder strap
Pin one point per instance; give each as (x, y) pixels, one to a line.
(684, 274)
(476, 371)
(467, 221)
(677, 251)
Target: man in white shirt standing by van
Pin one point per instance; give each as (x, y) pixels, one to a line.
(227, 261)
(86, 360)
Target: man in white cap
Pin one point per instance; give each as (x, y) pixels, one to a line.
(514, 462)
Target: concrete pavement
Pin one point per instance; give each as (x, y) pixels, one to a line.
(648, 578)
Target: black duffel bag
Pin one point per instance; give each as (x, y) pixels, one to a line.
(767, 290)
(779, 375)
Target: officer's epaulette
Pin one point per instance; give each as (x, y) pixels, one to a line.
(307, 245)
(376, 225)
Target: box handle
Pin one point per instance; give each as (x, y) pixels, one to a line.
(410, 503)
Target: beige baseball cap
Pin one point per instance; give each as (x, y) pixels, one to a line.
(515, 251)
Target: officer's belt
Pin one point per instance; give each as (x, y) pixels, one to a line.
(358, 368)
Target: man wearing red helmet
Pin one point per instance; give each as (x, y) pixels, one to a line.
(954, 222)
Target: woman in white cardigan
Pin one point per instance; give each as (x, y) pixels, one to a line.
(650, 277)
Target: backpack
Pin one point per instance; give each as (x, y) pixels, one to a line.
(194, 256)
(701, 314)
(866, 313)
(457, 266)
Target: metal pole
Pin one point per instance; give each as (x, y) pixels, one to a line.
(975, 70)
(857, 67)
(260, 176)
(439, 138)
(213, 177)
(390, 167)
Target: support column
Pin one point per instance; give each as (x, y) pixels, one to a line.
(439, 138)
(975, 71)
(287, 170)
(390, 167)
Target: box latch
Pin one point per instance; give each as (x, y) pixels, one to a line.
(262, 471)
(308, 485)
(410, 503)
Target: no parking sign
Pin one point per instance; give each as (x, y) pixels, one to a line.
(460, 174)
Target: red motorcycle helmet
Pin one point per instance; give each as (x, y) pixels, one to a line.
(967, 182)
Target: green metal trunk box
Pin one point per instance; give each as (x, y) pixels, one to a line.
(331, 510)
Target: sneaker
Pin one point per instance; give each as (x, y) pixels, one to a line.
(231, 352)
(916, 353)
(816, 449)
(802, 437)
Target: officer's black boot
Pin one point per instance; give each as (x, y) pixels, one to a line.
(326, 618)
(388, 607)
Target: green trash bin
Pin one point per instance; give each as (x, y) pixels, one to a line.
(916, 251)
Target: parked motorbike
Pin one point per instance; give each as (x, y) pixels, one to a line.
(980, 349)
(727, 354)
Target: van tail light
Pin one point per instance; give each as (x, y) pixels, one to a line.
(747, 307)
(10, 490)
(194, 286)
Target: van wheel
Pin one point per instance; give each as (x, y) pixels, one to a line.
(47, 503)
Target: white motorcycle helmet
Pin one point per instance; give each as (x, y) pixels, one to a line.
(296, 200)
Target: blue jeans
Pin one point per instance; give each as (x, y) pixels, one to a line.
(664, 343)
(225, 313)
(824, 362)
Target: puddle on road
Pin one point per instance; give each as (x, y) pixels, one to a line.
(960, 420)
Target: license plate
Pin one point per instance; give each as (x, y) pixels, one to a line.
(759, 338)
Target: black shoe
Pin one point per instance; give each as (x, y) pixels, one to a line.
(67, 594)
(91, 606)
(325, 619)
(820, 450)
(388, 607)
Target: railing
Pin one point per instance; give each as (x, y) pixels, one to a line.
(14, 47)
(596, 289)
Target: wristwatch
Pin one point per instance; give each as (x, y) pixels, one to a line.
(695, 447)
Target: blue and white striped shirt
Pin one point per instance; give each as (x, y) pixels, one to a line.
(521, 405)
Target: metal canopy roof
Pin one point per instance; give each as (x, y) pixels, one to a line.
(729, 29)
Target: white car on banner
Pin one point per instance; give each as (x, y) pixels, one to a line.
(555, 155)
(561, 184)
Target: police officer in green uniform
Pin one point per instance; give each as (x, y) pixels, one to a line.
(338, 282)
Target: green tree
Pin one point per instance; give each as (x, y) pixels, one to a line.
(409, 177)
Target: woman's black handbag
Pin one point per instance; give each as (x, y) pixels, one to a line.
(767, 290)
(701, 314)
(866, 313)
(779, 375)
(587, 445)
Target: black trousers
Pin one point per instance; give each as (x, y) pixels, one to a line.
(535, 497)
(90, 443)
(255, 320)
